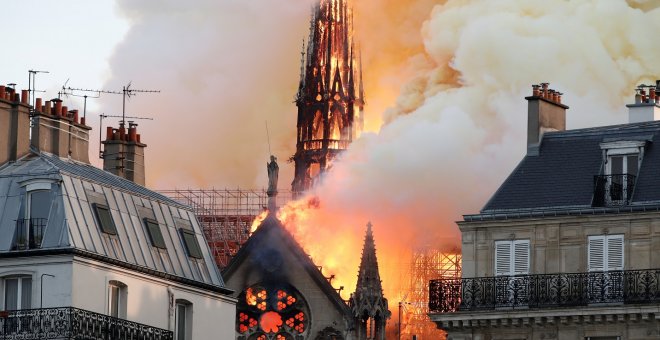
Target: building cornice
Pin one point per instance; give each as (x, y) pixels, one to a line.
(125, 265)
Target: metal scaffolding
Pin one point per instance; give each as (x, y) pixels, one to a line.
(226, 215)
(427, 264)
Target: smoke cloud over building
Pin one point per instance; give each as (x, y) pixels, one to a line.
(451, 132)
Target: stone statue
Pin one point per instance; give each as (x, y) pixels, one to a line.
(273, 173)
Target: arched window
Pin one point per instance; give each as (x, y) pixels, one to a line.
(183, 320)
(117, 299)
(271, 312)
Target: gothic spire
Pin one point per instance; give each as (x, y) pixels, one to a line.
(368, 301)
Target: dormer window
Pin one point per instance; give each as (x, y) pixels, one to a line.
(30, 229)
(155, 235)
(104, 218)
(622, 162)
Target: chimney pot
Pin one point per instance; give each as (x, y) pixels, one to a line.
(48, 109)
(24, 97)
(65, 111)
(17, 97)
(75, 115)
(3, 92)
(58, 107)
(37, 105)
(108, 133)
(535, 90)
(137, 137)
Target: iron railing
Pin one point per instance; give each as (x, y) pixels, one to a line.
(74, 324)
(613, 190)
(333, 144)
(29, 233)
(545, 291)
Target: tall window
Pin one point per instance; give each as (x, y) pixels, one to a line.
(512, 257)
(183, 320)
(117, 298)
(605, 253)
(18, 293)
(30, 230)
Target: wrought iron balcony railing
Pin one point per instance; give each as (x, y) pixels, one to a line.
(29, 233)
(545, 291)
(613, 190)
(74, 324)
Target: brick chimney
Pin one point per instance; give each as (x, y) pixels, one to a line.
(14, 124)
(647, 104)
(123, 153)
(57, 130)
(545, 112)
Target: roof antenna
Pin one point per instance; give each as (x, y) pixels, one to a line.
(32, 84)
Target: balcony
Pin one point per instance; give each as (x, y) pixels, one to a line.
(613, 190)
(545, 291)
(72, 323)
(333, 144)
(29, 233)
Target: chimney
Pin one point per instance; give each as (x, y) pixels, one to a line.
(123, 153)
(545, 112)
(647, 106)
(56, 131)
(14, 125)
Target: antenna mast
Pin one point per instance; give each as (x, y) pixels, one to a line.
(95, 94)
(128, 92)
(32, 84)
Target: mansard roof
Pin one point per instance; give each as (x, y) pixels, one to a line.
(72, 224)
(560, 177)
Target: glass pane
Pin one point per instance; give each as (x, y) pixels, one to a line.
(633, 163)
(11, 294)
(180, 322)
(191, 244)
(40, 204)
(155, 234)
(26, 293)
(114, 301)
(105, 219)
(617, 165)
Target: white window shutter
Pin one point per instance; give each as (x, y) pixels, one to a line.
(521, 257)
(615, 252)
(503, 258)
(596, 253)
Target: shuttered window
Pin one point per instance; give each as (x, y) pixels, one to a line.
(512, 257)
(605, 253)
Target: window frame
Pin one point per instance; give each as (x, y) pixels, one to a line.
(606, 252)
(193, 252)
(121, 302)
(20, 294)
(150, 223)
(187, 307)
(513, 260)
(112, 228)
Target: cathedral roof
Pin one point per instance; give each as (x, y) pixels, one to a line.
(271, 238)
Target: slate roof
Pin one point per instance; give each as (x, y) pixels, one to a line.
(72, 224)
(561, 176)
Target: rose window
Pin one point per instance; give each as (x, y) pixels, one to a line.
(264, 312)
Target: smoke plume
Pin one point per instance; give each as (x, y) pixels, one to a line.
(445, 109)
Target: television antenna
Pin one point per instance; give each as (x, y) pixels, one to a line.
(129, 92)
(103, 115)
(71, 91)
(32, 84)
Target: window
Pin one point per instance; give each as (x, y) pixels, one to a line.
(273, 311)
(190, 241)
(18, 293)
(183, 320)
(512, 257)
(105, 219)
(155, 235)
(117, 298)
(605, 253)
(622, 163)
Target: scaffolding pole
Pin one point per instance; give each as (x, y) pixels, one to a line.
(427, 264)
(226, 215)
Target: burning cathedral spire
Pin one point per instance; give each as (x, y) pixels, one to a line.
(330, 97)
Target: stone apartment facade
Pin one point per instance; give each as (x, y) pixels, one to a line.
(567, 247)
